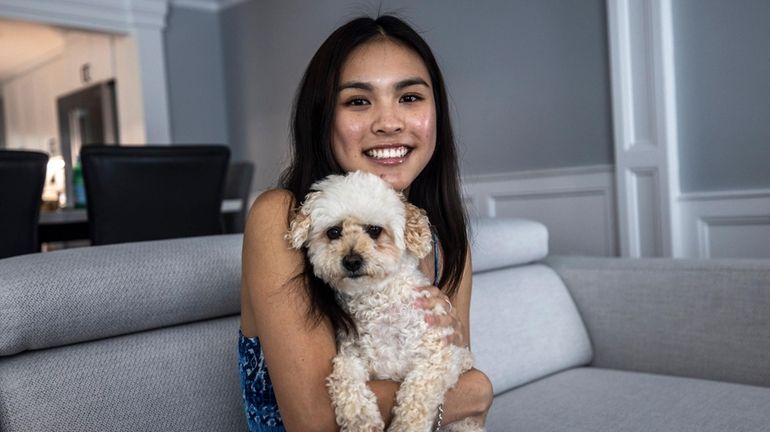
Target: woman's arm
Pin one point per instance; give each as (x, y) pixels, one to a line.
(274, 308)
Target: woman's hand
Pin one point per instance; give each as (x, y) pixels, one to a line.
(433, 297)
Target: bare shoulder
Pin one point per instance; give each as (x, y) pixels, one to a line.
(271, 206)
(268, 261)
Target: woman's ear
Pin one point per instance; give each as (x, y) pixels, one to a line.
(417, 233)
(299, 228)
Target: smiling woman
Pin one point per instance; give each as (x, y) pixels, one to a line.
(372, 99)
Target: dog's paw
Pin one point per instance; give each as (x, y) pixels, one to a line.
(465, 425)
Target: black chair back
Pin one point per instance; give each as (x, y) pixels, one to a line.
(238, 186)
(22, 176)
(153, 192)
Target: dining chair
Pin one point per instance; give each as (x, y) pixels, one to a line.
(238, 186)
(139, 193)
(22, 176)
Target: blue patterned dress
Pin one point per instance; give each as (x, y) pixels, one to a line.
(256, 389)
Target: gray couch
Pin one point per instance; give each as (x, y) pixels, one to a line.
(142, 337)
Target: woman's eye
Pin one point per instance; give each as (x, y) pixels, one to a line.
(410, 98)
(334, 233)
(357, 102)
(374, 231)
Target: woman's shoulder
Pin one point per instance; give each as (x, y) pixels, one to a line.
(269, 204)
(273, 199)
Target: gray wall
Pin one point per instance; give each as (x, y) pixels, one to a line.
(196, 87)
(528, 79)
(722, 51)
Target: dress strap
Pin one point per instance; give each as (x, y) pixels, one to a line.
(435, 257)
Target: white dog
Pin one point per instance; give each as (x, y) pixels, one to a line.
(365, 240)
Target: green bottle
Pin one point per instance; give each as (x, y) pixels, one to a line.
(79, 185)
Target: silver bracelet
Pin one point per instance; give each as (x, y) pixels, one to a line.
(439, 417)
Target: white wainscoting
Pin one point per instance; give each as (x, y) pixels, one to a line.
(733, 224)
(576, 204)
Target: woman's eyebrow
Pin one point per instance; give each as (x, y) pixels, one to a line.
(410, 82)
(398, 86)
(356, 85)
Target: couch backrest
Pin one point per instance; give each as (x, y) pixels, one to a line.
(142, 336)
(707, 319)
(137, 336)
(524, 324)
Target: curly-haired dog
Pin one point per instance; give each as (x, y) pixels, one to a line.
(365, 240)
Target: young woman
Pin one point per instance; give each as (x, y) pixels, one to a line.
(372, 99)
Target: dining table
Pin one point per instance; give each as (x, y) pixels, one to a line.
(71, 224)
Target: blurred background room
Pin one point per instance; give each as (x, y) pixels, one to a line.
(637, 129)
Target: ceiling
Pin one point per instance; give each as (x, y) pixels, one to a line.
(25, 44)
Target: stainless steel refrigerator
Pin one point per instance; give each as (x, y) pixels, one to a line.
(87, 116)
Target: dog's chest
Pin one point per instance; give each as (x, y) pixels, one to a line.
(390, 339)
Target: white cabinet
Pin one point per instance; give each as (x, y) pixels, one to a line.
(30, 107)
(88, 59)
(30, 99)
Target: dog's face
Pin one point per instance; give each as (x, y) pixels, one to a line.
(357, 230)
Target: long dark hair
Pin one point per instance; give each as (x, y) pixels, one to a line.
(436, 189)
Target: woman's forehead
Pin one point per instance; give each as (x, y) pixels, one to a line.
(383, 61)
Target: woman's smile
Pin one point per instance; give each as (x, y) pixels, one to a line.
(388, 154)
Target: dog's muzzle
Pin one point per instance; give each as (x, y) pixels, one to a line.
(352, 262)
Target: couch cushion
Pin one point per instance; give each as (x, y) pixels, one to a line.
(182, 378)
(524, 326)
(75, 295)
(604, 400)
(505, 242)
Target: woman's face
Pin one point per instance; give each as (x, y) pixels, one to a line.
(385, 115)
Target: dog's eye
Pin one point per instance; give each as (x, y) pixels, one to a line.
(374, 231)
(334, 233)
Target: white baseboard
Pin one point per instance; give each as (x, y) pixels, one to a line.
(576, 204)
(732, 224)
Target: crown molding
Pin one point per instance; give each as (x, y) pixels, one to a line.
(207, 5)
(114, 16)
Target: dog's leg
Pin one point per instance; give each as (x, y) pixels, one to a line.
(355, 405)
(418, 399)
(423, 389)
(464, 425)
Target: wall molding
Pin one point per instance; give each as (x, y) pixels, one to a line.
(725, 195)
(577, 204)
(734, 224)
(645, 126)
(536, 173)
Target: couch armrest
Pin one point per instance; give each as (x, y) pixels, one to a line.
(697, 318)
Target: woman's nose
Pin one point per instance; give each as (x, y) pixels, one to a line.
(387, 121)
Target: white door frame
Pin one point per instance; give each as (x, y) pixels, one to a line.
(144, 20)
(645, 126)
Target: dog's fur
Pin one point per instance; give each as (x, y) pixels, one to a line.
(365, 240)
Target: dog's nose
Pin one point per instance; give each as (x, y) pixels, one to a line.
(352, 262)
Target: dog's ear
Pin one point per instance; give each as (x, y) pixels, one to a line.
(299, 228)
(417, 231)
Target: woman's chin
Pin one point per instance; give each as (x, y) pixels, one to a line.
(395, 181)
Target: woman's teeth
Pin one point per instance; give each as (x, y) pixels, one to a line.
(389, 153)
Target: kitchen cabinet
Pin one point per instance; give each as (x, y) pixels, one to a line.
(31, 119)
